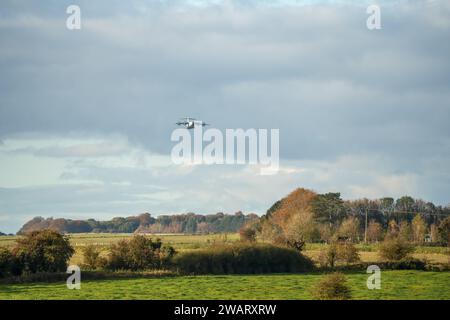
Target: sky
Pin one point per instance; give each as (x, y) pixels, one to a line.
(86, 115)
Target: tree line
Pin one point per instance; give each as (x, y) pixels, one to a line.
(306, 216)
(145, 223)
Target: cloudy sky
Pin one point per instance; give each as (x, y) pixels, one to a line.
(86, 115)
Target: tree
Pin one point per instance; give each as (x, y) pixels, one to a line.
(139, 253)
(444, 231)
(405, 231)
(302, 228)
(247, 234)
(434, 233)
(44, 251)
(92, 258)
(395, 249)
(392, 230)
(405, 203)
(347, 253)
(349, 229)
(387, 204)
(374, 231)
(273, 208)
(268, 230)
(419, 229)
(8, 263)
(295, 203)
(339, 251)
(328, 208)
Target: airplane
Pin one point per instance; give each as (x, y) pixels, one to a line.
(190, 123)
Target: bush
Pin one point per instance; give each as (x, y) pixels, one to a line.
(347, 253)
(328, 256)
(344, 252)
(242, 259)
(139, 253)
(405, 264)
(43, 251)
(92, 258)
(332, 287)
(9, 264)
(247, 234)
(395, 249)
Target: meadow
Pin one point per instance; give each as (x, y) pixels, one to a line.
(395, 285)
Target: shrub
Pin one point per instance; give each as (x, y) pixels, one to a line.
(43, 251)
(92, 258)
(139, 253)
(247, 234)
(347, 253)
(332, 287)
(344, 252)
(328, 256)
(395, 249)
(6, 262)
(405, 264)
(242, 259)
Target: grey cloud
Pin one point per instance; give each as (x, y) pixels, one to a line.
(332, 87)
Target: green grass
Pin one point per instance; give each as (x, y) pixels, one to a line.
(395, 285)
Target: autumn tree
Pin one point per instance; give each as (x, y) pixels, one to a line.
(392, 229)
(247, 234)
(302, 228)
(349, 229)
(419, 228)
(374, 231)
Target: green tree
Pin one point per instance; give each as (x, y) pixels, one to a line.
(92, 258)
(6, 262)
(43, 251)
(405, 231)
(328, 208)
(444, 231)
(405, 203)
(139, 253)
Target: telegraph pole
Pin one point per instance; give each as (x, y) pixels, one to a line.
(365, 229)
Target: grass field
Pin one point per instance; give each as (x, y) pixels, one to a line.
(395, 285)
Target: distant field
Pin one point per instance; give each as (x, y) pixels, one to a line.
(179, 241)
(395, 285)
(183, 242)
